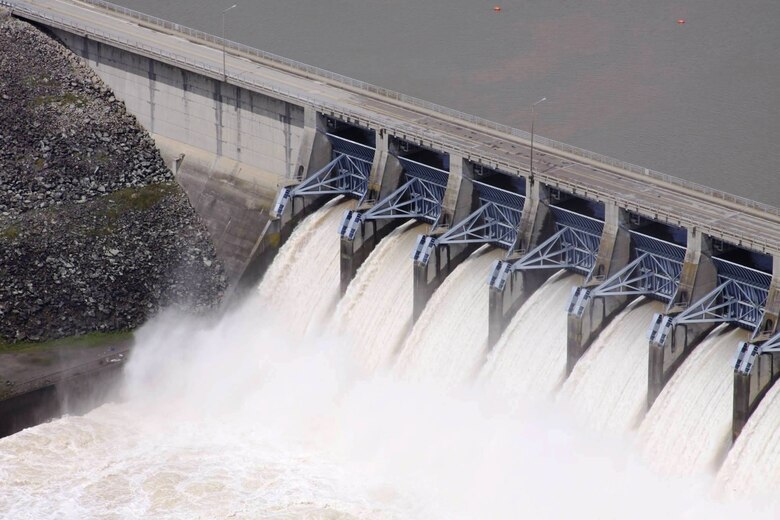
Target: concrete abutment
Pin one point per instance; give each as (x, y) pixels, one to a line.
(314, 153)
(229, 147)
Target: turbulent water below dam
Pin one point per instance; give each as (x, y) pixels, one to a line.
(298, 405)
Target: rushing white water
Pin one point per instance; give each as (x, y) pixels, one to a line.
(237, 421)
(375, 314)
(608, 387)
(449, 341)
(688, 428)
(752, 468)
(247, 417)
(529, 361)
(308, 260)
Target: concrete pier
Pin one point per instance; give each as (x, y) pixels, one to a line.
(614, 254)
(750, 388)
(536, 225)
(314, 154)
(699, 277)
(459, 202)
(385, 177)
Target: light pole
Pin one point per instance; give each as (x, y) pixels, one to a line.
(533, 118)
(224, 68)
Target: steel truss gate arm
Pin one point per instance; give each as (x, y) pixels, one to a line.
(731, 301)
(491, 223)
(416, 198)
(648, 274)
(343, 175)
(745, 357)
(568, 248)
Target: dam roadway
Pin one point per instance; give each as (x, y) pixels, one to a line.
(651, 194)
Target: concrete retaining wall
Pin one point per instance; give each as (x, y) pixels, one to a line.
(230, 148)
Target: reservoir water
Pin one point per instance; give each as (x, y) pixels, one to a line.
(622, 77)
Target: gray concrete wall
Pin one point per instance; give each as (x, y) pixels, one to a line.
(614, 253)
(230, 148)
(535, 226)
(459, 201)
(749, 389)
(227, 121)
(314, 153)
(699, 277)
(230, 197)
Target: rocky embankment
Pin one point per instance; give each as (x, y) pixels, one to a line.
(95, 234)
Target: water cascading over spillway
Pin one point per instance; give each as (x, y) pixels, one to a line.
(608, 387)
(245, 417)
(688, 428)
(306, 269)
(375, 314)
(751, 466)
(449, 341)
(529, 361)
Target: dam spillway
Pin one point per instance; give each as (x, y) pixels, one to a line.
(608, 387)
(297, 431)
(356, 281)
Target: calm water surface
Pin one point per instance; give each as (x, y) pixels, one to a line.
(699, 100)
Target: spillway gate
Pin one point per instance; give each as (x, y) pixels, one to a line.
(419, 197)
(654, 272)
(495, 221)
(573, 246)
(739, 298)
(346, 174)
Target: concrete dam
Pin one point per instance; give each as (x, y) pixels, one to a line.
(454, 250)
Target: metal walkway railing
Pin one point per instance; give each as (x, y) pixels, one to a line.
(426, 105)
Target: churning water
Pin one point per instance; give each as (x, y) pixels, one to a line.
(529, 361)
(307, 269)
(376, 312)
(751, 467)
(688, 429)
(608, 386)
(449, 341)
(246, 418)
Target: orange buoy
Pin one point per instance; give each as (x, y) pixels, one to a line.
(680, 21)
(497, 8)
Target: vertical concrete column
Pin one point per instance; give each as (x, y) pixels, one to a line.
(750, 388)
(385, 177)
(314, 154)
(536, 225)
(315, 150)
(768, 325)
(614, 254)
(458, 203)
(699, 277)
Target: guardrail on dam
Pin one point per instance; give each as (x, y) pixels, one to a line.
(710, 256)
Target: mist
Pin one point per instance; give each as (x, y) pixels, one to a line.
(232, 419)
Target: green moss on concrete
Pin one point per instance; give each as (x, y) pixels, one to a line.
(91, 340)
